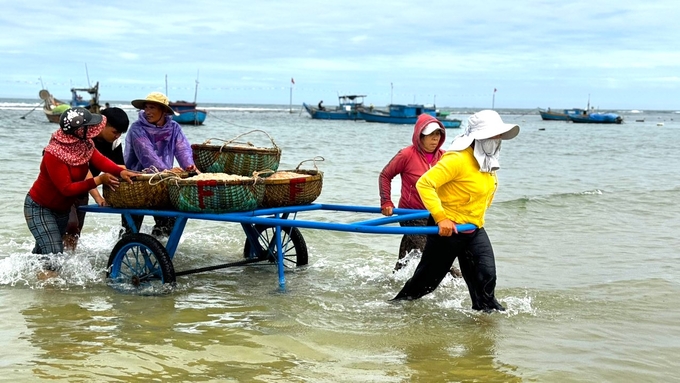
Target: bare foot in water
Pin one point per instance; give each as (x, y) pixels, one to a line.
(47, 274)
(70, 242)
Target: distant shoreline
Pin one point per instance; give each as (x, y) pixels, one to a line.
(27, 103)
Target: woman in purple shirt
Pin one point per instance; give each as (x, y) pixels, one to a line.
(155, 140)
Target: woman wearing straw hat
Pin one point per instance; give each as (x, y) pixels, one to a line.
(459, 189)
(63, 177)
(154, 141)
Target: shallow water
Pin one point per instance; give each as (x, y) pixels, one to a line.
(584, 229)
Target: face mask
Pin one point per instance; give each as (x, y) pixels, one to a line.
(490, 146)
(486, 153)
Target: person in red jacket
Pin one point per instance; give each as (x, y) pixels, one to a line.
(409, 164)
(107, 143)
(62, 178)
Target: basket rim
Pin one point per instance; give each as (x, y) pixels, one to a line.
(314, 175)
(188, 182)
(236, 148)
(145, 177)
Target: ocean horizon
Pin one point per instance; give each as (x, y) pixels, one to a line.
(28, 104)
(584, 228)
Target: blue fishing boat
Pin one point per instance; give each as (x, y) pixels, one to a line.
(347, 109)
(563, 115)
(597, 118)
(398, 114)
(186, 113)
(450, 123)
(78, 101)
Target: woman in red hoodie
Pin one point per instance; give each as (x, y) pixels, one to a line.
(62, 178)
(410, 163)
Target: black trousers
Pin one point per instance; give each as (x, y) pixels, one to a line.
(477, 264)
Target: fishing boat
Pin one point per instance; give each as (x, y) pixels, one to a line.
(348, 109)
(450, 123)
(398, 113)
(562, 115)
(597, 118)
(53, 107)
(186, 113)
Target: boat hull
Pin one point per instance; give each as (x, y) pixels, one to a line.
(187, 114)
(51, 116)
(597, 118)
(397, 114)
(190, 116)
(551, 115)
(450, 124)
(548, 116)
(386, 118)
(333, 114)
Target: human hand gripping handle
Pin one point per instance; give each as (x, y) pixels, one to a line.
(127, 175)
(447, 227)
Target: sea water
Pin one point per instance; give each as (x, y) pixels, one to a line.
(584, 227)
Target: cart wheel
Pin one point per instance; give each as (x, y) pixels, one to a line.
(294, 246)
(139, 261)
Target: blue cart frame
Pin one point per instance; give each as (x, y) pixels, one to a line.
(153, 256)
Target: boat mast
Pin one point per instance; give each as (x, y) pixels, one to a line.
(391, 92)
(196, 90)
(87, 74)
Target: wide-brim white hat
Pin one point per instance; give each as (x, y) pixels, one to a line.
(482, 125)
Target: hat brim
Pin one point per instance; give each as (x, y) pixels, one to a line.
(510, 133)
(94, 130)
(139, 104)
(431, 129)
(96, 119)
(460, 142)
(506, 131)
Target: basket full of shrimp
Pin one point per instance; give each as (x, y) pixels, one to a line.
(293, 187)
(234, 157)
(147, 191)
(216, 193)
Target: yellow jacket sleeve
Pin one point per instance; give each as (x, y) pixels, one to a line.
(455, 189)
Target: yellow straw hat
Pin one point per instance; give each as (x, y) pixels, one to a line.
(157, 98)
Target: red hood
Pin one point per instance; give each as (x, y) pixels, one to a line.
(421, 123)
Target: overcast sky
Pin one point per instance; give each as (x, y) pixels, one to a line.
(621, 54)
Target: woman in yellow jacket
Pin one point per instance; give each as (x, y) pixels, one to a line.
(459, 189)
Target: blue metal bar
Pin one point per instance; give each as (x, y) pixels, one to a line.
(131, 223)
(417, 214)
(279, 217)
(175, 235)
(253, 217)
(279, 257)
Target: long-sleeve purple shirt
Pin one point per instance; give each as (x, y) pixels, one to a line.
(148, 145)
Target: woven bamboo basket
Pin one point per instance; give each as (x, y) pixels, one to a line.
(234, 157)
(147, 191)
(215, 195)
(293, 191)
